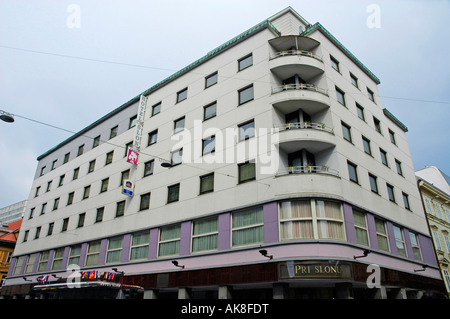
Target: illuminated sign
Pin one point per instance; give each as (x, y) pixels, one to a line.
(132, 156)
(315, 270)
(140, 123)
(128, 187)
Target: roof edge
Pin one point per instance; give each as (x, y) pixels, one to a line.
(390, 116)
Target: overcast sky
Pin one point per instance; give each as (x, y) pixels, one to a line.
(51, 69)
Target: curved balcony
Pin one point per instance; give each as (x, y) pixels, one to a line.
(287, 63)
(308, 169)
(296, 41)
(291, 97)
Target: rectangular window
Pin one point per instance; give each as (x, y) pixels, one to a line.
(373, 183)
(31, 213)
(58, 257)
(99, 215)
(178, 125)
(359, 219)
(42, 171)
(245, 62)
(86, 192)
(352, 173)
(43, 260)
(383, 156)
(371, 95)
(49, 186)
(246, 130)
(182, 95)
(145, 201)
(209, 111)
(81, 218)
(109, 158)
(133, 121)
(366, 145)
(173, 193)
(36, 194)
(354, 80)
(38, 232)
(18, 265)
(61, 180)
(43, 208)
(376, 123)
(207, 183)
(124, 176)
(114, 251)
(96, 142)
(104, 186)
(296, 220)
(247, 172)
(406, 200)
(176, 157)
(65, 224)
(246, 94)
(127, 147)
(70, 198)
(205, 235)
(415, 246)
(390, 191)
(74, 255)
(148, 168)
(208, 145)
(346, 133)
(56, 204)
(113, 132)
(156, 108)
(392, 137)
(76, 171)
(247, 227)
(398, 164)
(334, 63)
(169, 240)
(139, 246)
(91, 166)
(50, 229)
(152, 137)
(399, 241)
(340, 96)
(330, 222)
(210, 80)
(54, 164)
(66, 158)
(25, 236)
(80, 150)
(30, 263)
(360, 112)
(93, 252)
(120, 208)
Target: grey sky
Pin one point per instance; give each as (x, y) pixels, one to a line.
(409, 53)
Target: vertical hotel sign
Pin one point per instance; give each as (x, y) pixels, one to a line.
(133, 152)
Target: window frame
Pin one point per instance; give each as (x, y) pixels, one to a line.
(240, 166)
(214, 76)
(171, 188)
(242, 101)
(243, 64)
(182, 95)
(355, 169)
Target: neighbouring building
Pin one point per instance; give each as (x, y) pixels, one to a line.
(435, 190)
(12, 212)
(268, 168)
(8, 238)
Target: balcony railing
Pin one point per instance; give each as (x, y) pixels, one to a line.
(308, 169)
(306, 125)
(302, 86)
(296, 52)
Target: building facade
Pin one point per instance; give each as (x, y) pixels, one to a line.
(12, 212)
(8, 239)
(435, 190)
(267, 169)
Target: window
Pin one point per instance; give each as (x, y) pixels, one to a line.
(366, 145)
(209, 111)
(30, 263)
(208, 145)
(25, 236)
(247, 227)
(205, 235)
(145, 201)
(392, 137)
(360, 111)
(31, 213)
(42, 171)
(96, 142)
(99, 215)
(329, 220)
(74, 255)
(38, 232)
(36, 194)
(415, 246)
(56, 203)
(50, 229)
(334, 63)
(113, 132)
(156, 108)
(340, 96)
(398, 164)
(178, 125)
(49, 185)
(86, 192)
(382, 238)
(246, 94)
(54, 164)
(75, 173)
(81, 218)
(80, 150)
(352, 173)
(66, 158)
(169, 240)
(124, 176)
(127, 147)
(390, 190)
(399, 241)
(152, 137)
(18, 265)
(354, 80)
(370, 95)
(437, 239)
(176, 157)
(376, 123)
(210, 80)
(173, 193)
(120, 208)
(43, 260)
(383, 156)
(207, 183)
(373, 183)
(104, 186)
(43, 207)
(58, 257)
(139, 246)
(296, 220)
(246, 130)
(91, 166)
(245, 62)
(346, 133)
(70, 198)
(109, 158)
(247, 172)
(182, 95)
(406, 201)
(65, 224)
(148, 168)
(61, 180)
(359, 219)
(93, 252)
(133, 121)
(114, 251)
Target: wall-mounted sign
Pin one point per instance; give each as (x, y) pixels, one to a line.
(314, 270)
(140, 123)
(132, 156)
(128, 187)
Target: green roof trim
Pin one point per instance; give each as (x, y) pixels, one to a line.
(317, 26)
(390, 116)
(257, 28)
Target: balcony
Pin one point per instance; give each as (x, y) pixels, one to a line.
(308, 169)
(285, 64)
(309, 97)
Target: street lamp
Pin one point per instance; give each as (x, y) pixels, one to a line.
(6, 117)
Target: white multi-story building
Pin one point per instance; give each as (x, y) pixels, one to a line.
(267, 168)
